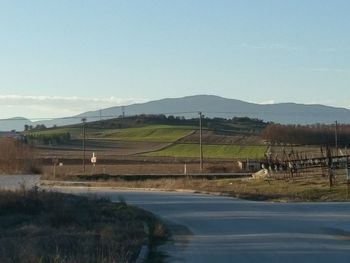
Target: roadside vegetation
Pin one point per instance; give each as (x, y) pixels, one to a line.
(38, 226)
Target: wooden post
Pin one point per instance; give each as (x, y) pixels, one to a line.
(330, 167)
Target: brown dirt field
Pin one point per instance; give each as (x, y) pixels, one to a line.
(116, 157)
(67, 171)
(104, 149)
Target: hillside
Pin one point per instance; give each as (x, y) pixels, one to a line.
(155, 136)
(156, 126)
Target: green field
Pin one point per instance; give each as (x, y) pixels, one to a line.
(211, 151)
(151, 133)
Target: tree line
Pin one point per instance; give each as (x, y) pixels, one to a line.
(318, 134)
(47, 139)
(238, 124)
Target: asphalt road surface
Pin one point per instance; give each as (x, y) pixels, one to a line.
(222, 229)
(16, 182)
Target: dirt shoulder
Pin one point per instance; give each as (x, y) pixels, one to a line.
(297, 190)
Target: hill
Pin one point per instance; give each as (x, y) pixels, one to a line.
(159, 135)
(156, 128)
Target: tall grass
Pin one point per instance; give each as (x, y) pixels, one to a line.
(16, 157)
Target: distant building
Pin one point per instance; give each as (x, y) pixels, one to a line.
(249, 165)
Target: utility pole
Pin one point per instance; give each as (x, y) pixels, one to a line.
(100, 115)
(123, 112)
(200, 143)
(83, 120)
(336, 137)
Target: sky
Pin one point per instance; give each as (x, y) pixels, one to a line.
(64, 57)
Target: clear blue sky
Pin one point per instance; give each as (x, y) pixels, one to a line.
(64, 57)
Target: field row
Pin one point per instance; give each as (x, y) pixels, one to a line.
(211, 151)
(182, 139)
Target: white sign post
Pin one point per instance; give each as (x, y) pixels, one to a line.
(93, 161)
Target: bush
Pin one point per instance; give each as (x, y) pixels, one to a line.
(39, 226)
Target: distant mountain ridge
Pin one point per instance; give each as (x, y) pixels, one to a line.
(211, 106)
(16, 123)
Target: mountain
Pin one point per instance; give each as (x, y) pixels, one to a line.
(215, 106)
(16, 123)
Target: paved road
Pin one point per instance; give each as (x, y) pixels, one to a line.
(222, 229)
(15, 182)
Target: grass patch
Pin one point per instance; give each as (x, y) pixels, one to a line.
(39, 226)
(211, 151)
(148, 133)
(151, 133)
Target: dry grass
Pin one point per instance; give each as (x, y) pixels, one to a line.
(16, 157)
(38, 226)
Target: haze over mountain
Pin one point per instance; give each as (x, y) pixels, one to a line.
(211, 106)
(16, 123)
